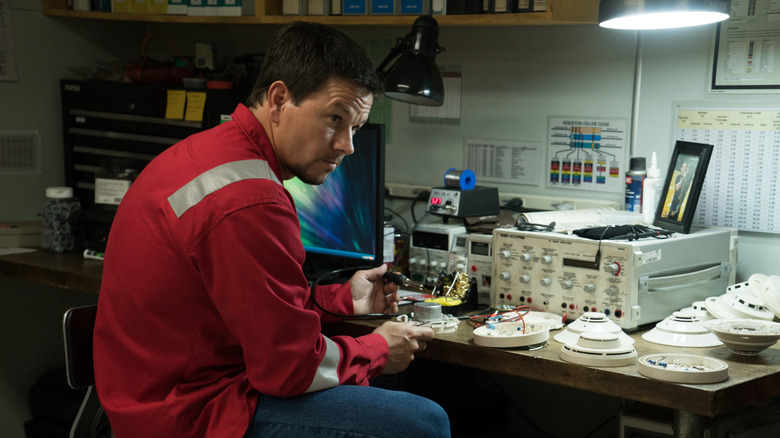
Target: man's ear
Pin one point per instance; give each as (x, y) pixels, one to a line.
(278, 95)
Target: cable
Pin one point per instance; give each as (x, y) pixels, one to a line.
(322, 277)
(409, 239)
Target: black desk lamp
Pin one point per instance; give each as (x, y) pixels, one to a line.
(414, 77)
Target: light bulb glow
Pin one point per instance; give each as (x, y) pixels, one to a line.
(664, 20)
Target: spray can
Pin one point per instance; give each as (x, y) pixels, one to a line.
(651, 191)
(635, 178)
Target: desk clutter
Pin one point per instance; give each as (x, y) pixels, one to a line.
(741, 319)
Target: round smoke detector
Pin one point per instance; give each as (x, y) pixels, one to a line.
(591, 322)
(683, 368)
(739, 305)
(599, 349)
(512, 334)
(682, 329)
(769, 292)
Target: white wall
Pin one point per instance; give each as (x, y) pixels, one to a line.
(513, 79)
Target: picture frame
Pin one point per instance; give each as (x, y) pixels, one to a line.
(682, 186)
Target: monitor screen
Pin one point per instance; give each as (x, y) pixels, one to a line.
(342, 219)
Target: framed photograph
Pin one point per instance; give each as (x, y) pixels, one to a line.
(680, 192)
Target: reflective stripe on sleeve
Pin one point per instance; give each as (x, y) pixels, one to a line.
(327, 375)
(214, 179)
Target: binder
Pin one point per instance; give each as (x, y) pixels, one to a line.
(121, 6)
(139, 6)
(158, 7)
(196, 7)
(500, 6)
(319, 7)
(521, 5)
(294, 7)
(355, 7)
(177, 7)
(335, 7)
(231, 8)
(212, 8)
(438, 7)
(382, 7)
(101, 5)
(414, 7)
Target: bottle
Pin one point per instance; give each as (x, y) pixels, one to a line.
(635, 178)
(59, 219)
(651, 192)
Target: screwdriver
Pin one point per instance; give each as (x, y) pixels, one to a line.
(402, 280)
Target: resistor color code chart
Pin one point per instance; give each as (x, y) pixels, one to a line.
(741, 185)
(586, 154)
(503, 161)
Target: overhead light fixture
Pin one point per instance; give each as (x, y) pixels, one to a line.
(414, 77)
(660, 14)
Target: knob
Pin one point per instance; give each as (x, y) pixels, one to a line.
(460, 267)
(612, 291)
(590, 288)
(525, 278)
(505, 254)
(547, 259)
(612, 268)
(525, 257)
(567, 284)
(546, 281)
(505, 275)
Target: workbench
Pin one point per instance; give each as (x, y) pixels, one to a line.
(752, 379)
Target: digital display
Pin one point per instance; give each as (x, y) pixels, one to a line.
(480, 248)
(342, 219)
(435, 201)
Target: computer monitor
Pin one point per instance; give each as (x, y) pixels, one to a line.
(342, 219)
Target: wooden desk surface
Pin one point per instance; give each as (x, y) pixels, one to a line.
(66, 270)
(751, 379)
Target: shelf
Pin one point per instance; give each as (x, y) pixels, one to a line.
(559, 12)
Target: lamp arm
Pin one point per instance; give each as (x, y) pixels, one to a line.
(394, 53)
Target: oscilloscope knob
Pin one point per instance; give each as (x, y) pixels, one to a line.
(525, 278)
(589, 288)
(505, 254)
(546, 281)
(505, 275)
(546, 259)
(525, 257)
(612, 268)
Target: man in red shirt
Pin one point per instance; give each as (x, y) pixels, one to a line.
(206, 327)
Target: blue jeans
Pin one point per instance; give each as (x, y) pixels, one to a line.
(349, 411)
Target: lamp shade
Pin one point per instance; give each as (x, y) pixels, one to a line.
(660, 14)
(414, 77)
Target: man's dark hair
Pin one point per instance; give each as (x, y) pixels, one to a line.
(306, 55)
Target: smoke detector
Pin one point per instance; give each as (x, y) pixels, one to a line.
(738, 305)
(769, 292)
(512, 334)
(682, 329)
(591, 322)
(600, 349)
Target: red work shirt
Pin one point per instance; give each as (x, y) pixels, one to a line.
(204, 304)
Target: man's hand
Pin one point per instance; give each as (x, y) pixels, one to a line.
(373, 294)
(404, 339)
